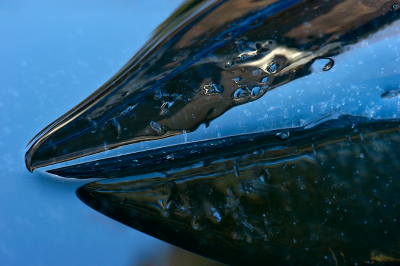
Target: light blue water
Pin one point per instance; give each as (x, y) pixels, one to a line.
(53, 55)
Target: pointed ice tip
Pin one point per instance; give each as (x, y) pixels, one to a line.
(131, 107)
(104, 120)
(28, 163)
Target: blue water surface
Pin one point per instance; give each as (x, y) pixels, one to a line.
(53, 55)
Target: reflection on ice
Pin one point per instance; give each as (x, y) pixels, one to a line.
(215, 60)
(327, 196)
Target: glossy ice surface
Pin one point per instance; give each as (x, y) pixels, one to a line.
(248, 132)
(323, 197)
(213, 56)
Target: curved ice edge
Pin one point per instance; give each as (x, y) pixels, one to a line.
(179, 153)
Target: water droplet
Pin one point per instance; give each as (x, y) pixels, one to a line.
(156, 127)
(271, 67)
(328, 65)
(323, 63)
(264, 80)
(282, 135)
(229, 64)
(255, 91)
(230, 192)
(241, 57)
(237, 80)
(130, 108)
(217, 216)
(165, 107)
(362, 156)
(170, 157)
(213, 89)
(239, 93)
(158, 96)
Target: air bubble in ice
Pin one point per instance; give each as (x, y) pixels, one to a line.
(229, 64)
(255, 91)
(282, 135)
(213, 89)
(272, 67)
(129, 108)
(238, 93)
(156, 127)
(264, 80)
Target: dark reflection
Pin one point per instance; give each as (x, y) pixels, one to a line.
(207, 58)
(327, 195)
(175, 256)
(186, 155)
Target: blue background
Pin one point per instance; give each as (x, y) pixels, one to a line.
(53, 55)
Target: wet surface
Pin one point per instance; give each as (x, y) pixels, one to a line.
(327, 196)
(220, 57)
(249, 132)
